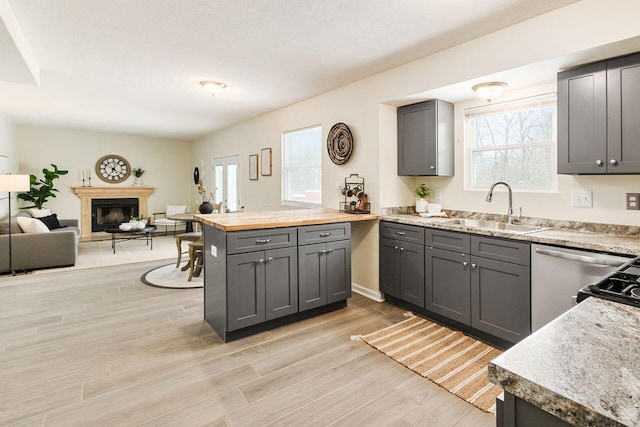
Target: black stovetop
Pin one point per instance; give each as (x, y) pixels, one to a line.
(622, 285)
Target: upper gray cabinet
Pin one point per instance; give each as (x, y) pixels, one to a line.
(598, 126)
(425, 139)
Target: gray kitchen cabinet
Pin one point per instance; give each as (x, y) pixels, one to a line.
(425, 139)
(447, 283)
(500, 298)
(324, 273)
(598, 128)
(402, 263)
(262, 286)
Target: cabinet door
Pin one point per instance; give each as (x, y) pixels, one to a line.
(312, 277)
(501, 298)
(447, 283)
(389, 262)
(582, 120)
(281, 282)
(417, 139)
(623, 126)
(412, 273)
(245, 290)
(338, 271)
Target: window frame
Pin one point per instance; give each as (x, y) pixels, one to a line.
(511, 106)
(284, 169)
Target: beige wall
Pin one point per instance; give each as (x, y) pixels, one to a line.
(9, 148)
(167, 163)
(368, 107)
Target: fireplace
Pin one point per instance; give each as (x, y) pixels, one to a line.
(109, 213)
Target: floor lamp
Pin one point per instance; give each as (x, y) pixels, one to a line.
(13, 183)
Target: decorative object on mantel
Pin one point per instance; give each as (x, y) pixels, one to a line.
(265, 154)
(138, 172)
(205, 207)
(253, 167)
(340, 143)
(196, 175)
(356, 200)
(423, 192)
(113, 168)
(41, 190)
(86, 177)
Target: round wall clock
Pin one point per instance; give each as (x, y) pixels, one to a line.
(340, 143)
(113, 169)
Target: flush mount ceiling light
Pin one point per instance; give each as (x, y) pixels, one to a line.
(213, 88)
(489, 90)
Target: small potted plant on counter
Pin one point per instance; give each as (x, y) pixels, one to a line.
(422, 193)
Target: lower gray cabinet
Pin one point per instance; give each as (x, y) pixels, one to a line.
(447, 282)
(501, 298)
(325, 273)
(402, 270)
(261, 286)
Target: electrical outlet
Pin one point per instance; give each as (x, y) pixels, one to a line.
(582, 198)
(437, 193)
(632, 201)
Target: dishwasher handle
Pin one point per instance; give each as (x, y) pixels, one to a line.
(581, 258)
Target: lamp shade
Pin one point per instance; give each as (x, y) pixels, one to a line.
(15, 182)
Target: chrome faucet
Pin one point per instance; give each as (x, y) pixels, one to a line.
(510, 215)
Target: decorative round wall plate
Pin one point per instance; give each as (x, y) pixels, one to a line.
(340, 143)
(113, 169)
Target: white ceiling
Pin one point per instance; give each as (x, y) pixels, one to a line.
(133, 66)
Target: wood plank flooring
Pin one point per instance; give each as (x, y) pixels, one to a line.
(98, 347)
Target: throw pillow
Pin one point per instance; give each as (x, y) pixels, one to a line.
(31, 225)
(50, 221)
(39, 213)
(15, 228)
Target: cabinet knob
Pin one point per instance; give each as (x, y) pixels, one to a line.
(613, 162)
(395, 248)
(330, 250)
(263, 241)
(599, 162)
(260, 261)
(401, 249)
(473, 266)
(431, 247)
(269, 259)
(463, 255)
(325, 234)
(432, 167)
(324, 251)
(401, 233)
(465, 263)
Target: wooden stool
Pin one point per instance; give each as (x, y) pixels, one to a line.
(191, 237)
(196, 257)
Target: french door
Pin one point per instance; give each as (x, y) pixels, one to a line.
(226, 174)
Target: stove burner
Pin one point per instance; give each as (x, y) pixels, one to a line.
(636, 292)
(621, 286)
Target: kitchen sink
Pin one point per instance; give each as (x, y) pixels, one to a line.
(493, 225)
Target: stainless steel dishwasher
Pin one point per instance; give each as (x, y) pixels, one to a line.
(557, 274)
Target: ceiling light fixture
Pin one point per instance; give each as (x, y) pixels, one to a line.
(489, 90)
(213, 88)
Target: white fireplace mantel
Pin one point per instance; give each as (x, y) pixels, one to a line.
(86, 194)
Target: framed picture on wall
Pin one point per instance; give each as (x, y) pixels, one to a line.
(253, 167)
(266, 161)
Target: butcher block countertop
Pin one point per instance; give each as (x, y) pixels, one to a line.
(283, 218)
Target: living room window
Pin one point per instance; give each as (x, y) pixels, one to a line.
(513, 142)
(302, 166)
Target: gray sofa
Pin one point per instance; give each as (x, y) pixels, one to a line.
(31, 251)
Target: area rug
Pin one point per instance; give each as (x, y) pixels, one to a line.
(454, 361)
(168, 276)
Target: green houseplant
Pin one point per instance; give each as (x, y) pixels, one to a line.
(138, 172)
(422, 192)
(42, 189)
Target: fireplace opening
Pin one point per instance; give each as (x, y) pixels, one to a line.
(108, 213)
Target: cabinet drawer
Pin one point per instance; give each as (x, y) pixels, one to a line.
(449, 240)
(255, 240)
(311, 234)
(501, 250)
(406, 233)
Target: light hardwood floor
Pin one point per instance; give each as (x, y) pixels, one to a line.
(97, 347)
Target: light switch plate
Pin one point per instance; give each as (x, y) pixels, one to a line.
(437, 193)
(582, 198)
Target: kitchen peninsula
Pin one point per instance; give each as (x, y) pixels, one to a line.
(266, 269)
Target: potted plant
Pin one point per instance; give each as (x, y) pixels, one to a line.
(206, 207)
(138, 172)
(422, 193)
(43, 189)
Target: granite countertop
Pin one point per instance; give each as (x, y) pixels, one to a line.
(283, 218)
(583, 367)
(606, 238)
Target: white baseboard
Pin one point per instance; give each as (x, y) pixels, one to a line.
(366, 292)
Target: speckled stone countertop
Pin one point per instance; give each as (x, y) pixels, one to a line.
(583, 367)
(598, 237)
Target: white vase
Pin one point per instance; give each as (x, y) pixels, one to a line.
(138, 182)
(421, 205)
